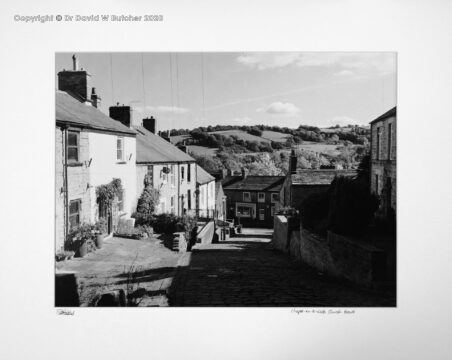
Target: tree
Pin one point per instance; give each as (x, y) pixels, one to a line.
(148, 201)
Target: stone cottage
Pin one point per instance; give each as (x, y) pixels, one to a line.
(91, 149)
(383, 162)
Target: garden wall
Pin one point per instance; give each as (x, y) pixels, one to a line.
(282, 228)
(339, 256)
(205, 235)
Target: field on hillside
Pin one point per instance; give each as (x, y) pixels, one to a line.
(202, 150)
(241, 135)
(320, 148)
(179, 139)
(274, 136)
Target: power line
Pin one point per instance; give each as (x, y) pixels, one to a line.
(143, 80)
(111, 78)
(202, 86)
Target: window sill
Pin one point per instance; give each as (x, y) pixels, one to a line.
(75, 163)
(121, 162)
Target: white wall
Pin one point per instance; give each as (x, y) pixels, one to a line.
(105, 167)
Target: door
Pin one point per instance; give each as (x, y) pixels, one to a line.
(106, 212)
(262, 214)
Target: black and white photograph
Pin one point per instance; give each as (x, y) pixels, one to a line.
(226, 179)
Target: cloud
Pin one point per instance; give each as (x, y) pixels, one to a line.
(280, 108)
(344, 73)
(163, 109)
(342, 121)
(379, 63)
(241, 120)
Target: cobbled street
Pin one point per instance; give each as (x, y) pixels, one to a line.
(247, 271)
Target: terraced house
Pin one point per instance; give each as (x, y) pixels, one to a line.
(91, 149)
(253, 200)
(163, 165)
(383, 162)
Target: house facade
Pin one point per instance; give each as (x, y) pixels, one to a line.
(220, 202)
(301, 183)
(253, 200)
(383, 162)
(161, 165)
(91, 150)
(205, 184)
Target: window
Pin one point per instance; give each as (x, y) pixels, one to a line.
(261, 197)
(261, 214)
(121, 200)
(246, 196)
(150, 174)
(164, 173)
(189, 199)
(120, 149)
(163, 205)
(173, 201)
(378, 157)
(389, 140)
(74, 213)
(244, 211)
(272, 211)
(377, 187)
(189, 172)
(73, 147)
(172, 175)
(182, 172)
(275, 197)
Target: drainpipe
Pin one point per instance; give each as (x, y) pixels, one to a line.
(179, 205)
(66, 200)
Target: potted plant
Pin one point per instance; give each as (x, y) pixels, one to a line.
(79, 237)
(100, 229)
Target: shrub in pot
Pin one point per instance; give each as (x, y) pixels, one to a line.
(79, 236)
(100, 229)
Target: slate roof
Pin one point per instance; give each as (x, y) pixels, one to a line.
(319, 177)
(392, 112)
(253, 183)
(202, 176)
(73, 112)
(152, 148)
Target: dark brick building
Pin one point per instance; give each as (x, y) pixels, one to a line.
(383, 161)
(301, 183)
(252, 200)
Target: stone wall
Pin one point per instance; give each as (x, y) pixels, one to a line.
(283, 226)
(205, 235)
(339, 256)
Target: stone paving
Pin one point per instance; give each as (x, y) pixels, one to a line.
(247, 271)
(144, 269)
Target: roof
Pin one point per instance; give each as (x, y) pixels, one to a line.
(387, 114)
(319, 177)
(254, 183)
(202, 176)
(73, 112)
(152, 148)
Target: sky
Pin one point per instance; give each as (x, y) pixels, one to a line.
(187, 90)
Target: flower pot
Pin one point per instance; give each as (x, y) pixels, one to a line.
(82, 250)
(100, 240)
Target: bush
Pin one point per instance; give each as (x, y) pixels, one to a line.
(165, 223)
(314, 212)
(148, 201)
(352, 206)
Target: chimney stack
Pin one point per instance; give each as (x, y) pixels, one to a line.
(149, 124)
(95, 99)
(293, 163)
(74, 63)
(121, 113)
(244, 173)
(75, 81)
(183, 148)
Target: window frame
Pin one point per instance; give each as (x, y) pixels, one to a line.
(389, 141)
(188, 173)
(120, 140)
(249, 196)
(379, 141)
(259, 197)
(272, 197)
(77, 214)
(77, 146)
